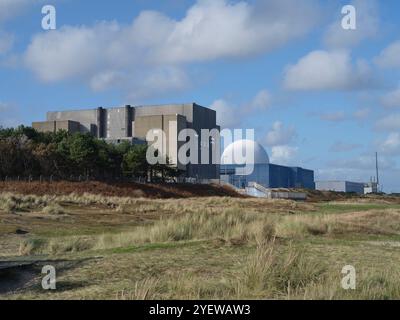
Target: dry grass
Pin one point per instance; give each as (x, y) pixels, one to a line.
(190, 220)
(125, 189)
(230, 225)
(372, 222)
(384, 285)
(139, 205)
(214, 248)
(144, 290)
(54, 246)
(53, 209)
(29, 246)
(11, 203)
(278, 273)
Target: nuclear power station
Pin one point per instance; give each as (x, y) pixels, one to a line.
(132, 123)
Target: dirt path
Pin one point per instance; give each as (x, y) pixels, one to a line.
(16, 276)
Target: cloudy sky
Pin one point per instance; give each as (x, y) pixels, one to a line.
(317, 95)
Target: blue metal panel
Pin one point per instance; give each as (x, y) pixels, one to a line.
(260, 175)
(280, 176)
(355, 187)
(303, 178)
(271, 176)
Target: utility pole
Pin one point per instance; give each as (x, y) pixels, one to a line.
(377, 169)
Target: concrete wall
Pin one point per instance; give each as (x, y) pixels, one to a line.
(340, 186)
(117, 122)
(196, 117)
(171, 125)
(143, 124)
(89, 119)
(44, 126)
(69, 126)
(204, 118)
(53, 126)
(185, 110)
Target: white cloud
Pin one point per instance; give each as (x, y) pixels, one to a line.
(70, 52)
(333, 116)
(231, 115)
(279, 135)
(262, 101)
(389, 123)
(102, 81)
(4, 107)
(166, 79)
(392, 99)
(391, 145)
(11, 8)
(227, 116)
(362, 113)
(8, 115)
(6, 42)
(215, 29)
(323, 70)
(363, 162)
(279, 138)
(368, 24)
(283, 154)
(361, 168)
(341, 146)
(107, 52)
(390, 56)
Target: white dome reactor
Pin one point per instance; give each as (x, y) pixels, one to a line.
(243, 152)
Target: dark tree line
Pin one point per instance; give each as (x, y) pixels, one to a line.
(26, 152)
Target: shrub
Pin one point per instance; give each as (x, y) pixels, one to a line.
(30, 246)
(53, 209)
(68, 245)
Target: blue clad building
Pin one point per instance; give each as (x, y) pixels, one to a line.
(259, 170)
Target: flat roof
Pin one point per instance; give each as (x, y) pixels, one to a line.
(133, 106)
(339, 181)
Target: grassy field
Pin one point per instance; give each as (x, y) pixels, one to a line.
(198, 248)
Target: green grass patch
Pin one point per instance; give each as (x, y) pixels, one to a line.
(330, 208)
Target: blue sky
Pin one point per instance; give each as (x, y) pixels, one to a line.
(317, 95)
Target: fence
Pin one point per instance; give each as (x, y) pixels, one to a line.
(81, 178)
(71, 178)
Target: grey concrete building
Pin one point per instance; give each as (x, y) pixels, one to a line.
(53, 126)
(340, 186)
(132, 123)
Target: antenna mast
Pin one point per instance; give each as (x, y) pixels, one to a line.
(377, 169)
